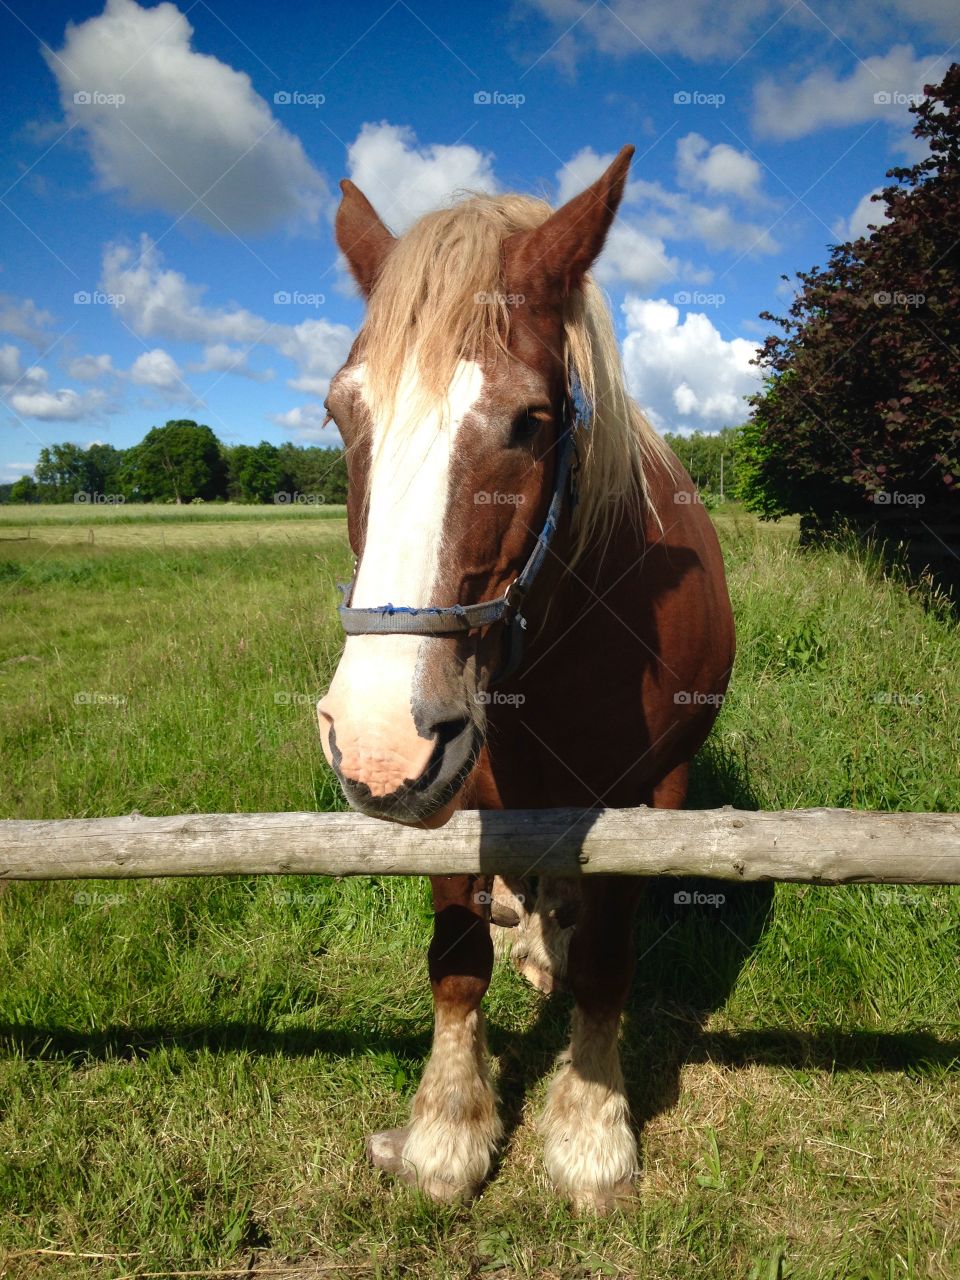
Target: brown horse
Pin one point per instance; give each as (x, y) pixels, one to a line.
(487, 358)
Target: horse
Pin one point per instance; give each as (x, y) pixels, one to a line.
(538, 618)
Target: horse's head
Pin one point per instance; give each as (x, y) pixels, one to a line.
(452, 405)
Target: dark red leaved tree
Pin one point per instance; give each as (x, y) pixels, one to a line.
(860, 408)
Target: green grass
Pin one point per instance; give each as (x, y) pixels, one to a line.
(27, 518)
(187, 1068)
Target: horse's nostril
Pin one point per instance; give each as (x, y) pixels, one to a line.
(453, 746)
(447, 731)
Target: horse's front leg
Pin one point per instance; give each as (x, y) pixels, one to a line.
(589, 1145)
(454, 1127)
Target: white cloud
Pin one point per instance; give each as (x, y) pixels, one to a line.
(720, 170)
(685, 374)
(579, 171)
(823, 100)
(188, 125)
(10, 371)
(704, 31)
(632, 253)
(698, 29)
(651, 215)
(13, 377)
(632, 256)
(675, 215)
(25, 391)
(24, 319)
(403, 180)
(65, 405)
(90, 368)
(14, 470)
(318, 349)
(220, 357)
(162, 303)
(158, 370)
(305, 422)
(857, 224)
(718, 228)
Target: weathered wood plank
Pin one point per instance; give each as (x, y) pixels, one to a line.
(826, 846)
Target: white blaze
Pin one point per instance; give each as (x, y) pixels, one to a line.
(369, 703)
(409, 484)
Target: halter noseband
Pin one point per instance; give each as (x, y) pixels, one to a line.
(395, 619)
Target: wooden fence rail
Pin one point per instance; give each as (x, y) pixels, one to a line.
(820, 846)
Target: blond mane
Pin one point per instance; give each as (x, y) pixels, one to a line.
(440, 298)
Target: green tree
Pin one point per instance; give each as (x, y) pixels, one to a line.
(24, 490)
(710, 457)
(178, 462)
(104, 465)
(65, 470)
(320, 472)
(257, 472)
(61, 472)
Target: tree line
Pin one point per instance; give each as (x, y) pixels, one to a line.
(183, 461)
(710, 458)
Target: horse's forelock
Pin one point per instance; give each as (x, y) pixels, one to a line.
(441, 298)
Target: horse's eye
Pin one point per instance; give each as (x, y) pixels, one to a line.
(526, 424)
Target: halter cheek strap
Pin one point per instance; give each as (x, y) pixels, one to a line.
(394, 619)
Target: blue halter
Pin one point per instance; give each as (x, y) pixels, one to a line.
(395, 619)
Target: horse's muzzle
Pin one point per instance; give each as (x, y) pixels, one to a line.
(456, 745)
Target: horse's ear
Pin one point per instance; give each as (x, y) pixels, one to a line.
(557, 254)
(363, 239)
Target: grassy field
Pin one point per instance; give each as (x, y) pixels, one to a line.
(187, 1068)
(101, 515)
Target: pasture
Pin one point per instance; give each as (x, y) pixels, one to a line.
(188, 1068)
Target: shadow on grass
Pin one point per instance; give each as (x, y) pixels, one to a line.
(690, 949)
(920, 555)
(693, 942)
(828, 1049)
(690, 955)
(119, 1043)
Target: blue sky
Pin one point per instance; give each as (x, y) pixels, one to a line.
(170, 177)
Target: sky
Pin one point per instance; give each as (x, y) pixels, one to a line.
(170, 177)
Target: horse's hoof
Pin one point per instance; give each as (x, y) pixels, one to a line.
(542, 979)
(503, 915)
(507, 902)
(598, 1203)
(385, 1151)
